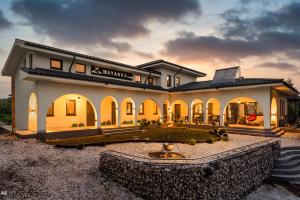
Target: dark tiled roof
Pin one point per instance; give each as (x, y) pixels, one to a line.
(186, 87)
(32, 44)
(238, 82)
(163, 61)
(83, 77)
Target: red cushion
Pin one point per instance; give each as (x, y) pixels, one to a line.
(251, 117)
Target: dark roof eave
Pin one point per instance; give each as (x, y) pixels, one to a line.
(182, 89)
(290, 87)
(80, 77)
(163, 61)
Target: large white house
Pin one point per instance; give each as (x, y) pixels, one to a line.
(57, 90)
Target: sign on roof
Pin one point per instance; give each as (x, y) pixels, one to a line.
(225, 75)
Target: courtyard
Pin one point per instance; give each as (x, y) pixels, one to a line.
(33, 170)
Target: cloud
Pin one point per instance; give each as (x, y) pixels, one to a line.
(279, 65)
(4, 23)
(241, 37)
(284, 19)
(100, 21)
(189, 46)
(144, 55)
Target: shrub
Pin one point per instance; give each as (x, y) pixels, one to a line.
(81, 124)
(226, 124)
(158, 123)
(103, 123)
(210, 140)
(225, 137)
(153, 121)
(193, 142)
(221, 131)
(80, 146)
(74, 125)
(108, 122)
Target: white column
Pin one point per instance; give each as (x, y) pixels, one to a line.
(135, 112)
(205, 113)
(222, 116)
(118, 111)
(41, 119)
(266, 104)
(98, 111)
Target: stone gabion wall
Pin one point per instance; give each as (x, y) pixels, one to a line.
(228, 177)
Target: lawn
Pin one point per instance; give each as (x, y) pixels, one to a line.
(180, 135)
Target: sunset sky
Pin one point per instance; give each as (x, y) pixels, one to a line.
(263, 36)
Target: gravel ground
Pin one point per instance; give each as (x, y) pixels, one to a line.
(269, 192)
(189, 151)
(30, 169)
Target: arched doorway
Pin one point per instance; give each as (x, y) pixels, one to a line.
(109, 112)
(274, 112)
(180, 111)
(243, 111)
(32, 113)
(71, 112)
(128, 112)
(213, 110)
(197, 112)
(149, 110)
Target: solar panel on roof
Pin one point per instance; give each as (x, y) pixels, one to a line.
(225, 75)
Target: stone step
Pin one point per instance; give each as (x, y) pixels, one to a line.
(253, 134)
(120, 128)
(289, 152)
(292, 171)
(287, 158)
(121, 132)
(288, 178)
(287, 165)
(290, 148)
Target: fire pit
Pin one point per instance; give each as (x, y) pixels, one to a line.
(166, 152)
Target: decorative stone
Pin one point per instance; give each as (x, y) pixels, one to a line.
(231, 175)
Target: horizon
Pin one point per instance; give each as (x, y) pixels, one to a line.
(259, 36)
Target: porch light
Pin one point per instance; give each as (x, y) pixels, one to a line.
(32, 109)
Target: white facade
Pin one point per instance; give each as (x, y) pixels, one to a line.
(49, 88)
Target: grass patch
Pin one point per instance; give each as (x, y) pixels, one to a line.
(172, 135)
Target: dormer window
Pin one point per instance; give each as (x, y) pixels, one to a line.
(80, 68)
(169, 80)
(56, 64)
(150, 80)
(177, 81)
(138, 78)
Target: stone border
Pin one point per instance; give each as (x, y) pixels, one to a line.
(228, 175)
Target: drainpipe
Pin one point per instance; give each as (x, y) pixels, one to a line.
(70, 68)
(174, 78)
